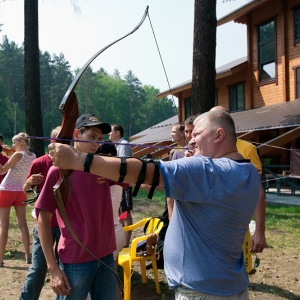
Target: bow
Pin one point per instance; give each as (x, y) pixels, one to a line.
(69, 110)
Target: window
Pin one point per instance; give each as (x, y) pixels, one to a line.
(297, 83)
(236, 97)
(297, 24)
(266, 51)
(187, 107)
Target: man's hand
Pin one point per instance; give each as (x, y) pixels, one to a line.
(258, 242)
(59, 282)
(189, 153)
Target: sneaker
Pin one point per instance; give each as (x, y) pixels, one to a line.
(28, 261)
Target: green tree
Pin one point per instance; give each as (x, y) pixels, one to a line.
(156, 110)
(135, 98)
(61, 77)
(11, 85)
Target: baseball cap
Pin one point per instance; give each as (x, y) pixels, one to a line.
(89, 120)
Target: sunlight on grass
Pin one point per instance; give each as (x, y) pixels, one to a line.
(283, 226)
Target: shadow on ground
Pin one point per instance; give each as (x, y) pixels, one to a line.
(147, 291)
(273, 290)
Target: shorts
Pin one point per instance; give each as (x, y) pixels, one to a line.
(183, 293)
(12, 198)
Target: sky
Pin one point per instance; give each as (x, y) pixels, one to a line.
(79, 35)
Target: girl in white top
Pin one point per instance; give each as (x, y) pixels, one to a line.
(12, 194)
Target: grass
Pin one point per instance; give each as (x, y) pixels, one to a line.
(282, 222)
(158, 195)
(283, 225)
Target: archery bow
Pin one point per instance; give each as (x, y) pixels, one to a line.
(69, 110)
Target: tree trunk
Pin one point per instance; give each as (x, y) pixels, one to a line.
(204, 56)
(33, 111)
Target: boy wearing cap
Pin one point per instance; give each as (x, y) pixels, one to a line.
(89, 210)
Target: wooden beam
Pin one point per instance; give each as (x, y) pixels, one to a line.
(150, 148)
(247, 136)
(279, 141)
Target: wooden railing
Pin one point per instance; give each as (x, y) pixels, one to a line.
(278, 177)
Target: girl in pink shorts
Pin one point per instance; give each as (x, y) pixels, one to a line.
(12, 194)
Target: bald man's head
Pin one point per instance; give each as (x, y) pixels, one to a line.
(215, 108)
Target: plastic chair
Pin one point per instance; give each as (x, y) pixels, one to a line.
(129, 255)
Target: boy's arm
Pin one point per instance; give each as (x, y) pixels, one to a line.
(59, 280)
(33, 180)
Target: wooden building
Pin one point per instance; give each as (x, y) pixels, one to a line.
(261, 90)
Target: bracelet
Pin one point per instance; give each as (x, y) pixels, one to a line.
(88, 162)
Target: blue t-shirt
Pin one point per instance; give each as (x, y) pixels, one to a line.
(214, 202)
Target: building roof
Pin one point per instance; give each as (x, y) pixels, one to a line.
(274, 116)
(219, 72)
(240, 11)
(229, 66)
(157, 133)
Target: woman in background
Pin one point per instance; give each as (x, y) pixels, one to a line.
(12, 194)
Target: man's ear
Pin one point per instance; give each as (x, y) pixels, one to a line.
(220, 135)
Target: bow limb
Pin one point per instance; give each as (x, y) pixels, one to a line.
(69, 110)
(79, 74)
(69, 107)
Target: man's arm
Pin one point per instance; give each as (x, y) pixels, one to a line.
(59, 280)
(66, 157)
(258, 241)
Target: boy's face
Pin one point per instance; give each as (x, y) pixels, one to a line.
(93, 134)
(188, 129)
(114, 135)
(176, 134)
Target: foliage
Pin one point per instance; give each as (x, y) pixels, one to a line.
(112, 98)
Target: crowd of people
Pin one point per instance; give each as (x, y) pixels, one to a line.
(78, 232)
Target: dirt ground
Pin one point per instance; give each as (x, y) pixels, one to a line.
(276, 278)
